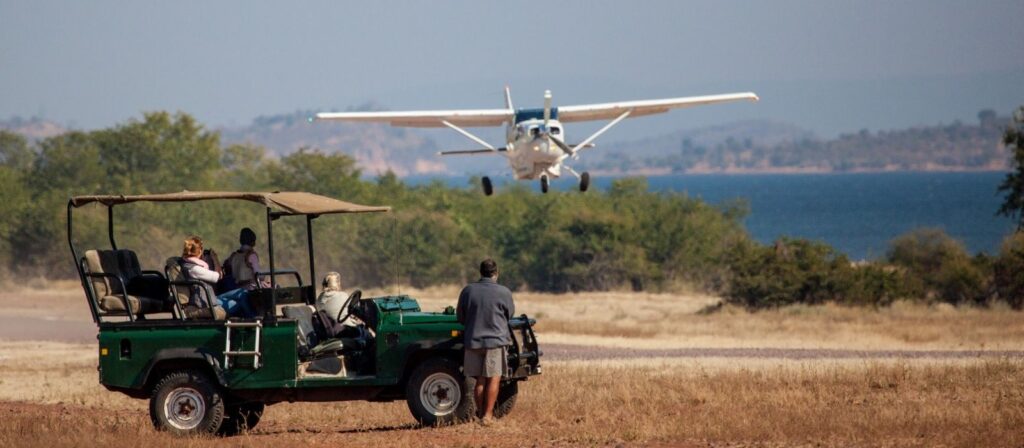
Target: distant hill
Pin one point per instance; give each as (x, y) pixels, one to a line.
(377, 148)
(760, 146)
(32, 128)
(696, 141)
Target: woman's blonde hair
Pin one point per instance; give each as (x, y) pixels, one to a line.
(193, 247)
(332, 282)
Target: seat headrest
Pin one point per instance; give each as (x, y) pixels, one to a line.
(172, 268)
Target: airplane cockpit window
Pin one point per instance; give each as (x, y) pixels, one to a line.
(556, 131)
(534, 131)
(520, 130)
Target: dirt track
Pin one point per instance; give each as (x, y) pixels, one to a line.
(75, 331)
(577, 352)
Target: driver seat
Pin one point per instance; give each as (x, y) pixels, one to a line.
(313, 338)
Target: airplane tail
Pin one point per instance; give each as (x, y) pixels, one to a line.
(508, 98)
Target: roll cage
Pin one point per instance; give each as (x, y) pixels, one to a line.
(277, 204)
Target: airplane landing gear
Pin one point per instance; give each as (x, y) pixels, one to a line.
(584, 181)
(544, 184)
(488, 187)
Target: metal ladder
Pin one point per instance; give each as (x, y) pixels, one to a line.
(255, 352)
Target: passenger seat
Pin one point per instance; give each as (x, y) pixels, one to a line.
(181, 290)
(109, 285)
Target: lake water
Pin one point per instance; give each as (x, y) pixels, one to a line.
(855, 213)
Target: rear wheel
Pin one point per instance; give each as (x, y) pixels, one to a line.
(488, 187)
(186, 403)
(584, 181)
(240, 418)
(437, 393)
(544, 184)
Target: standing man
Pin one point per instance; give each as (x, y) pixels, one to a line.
(484, 310)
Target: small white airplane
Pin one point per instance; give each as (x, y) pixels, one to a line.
(534, 138)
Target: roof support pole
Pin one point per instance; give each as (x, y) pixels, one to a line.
(309, 243)
(78, 267)
(110, 226)
(273, 278)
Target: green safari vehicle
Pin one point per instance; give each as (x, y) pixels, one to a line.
(207, 374)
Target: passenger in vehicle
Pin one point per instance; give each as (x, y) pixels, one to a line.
(242, 265)
(332, 298)
(329, 306)
(234, 302)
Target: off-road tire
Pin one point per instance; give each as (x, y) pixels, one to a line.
(452, 400)
(192, 389)
(506, 399)
(507, 393)
(239, 418)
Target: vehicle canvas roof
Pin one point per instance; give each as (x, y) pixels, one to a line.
(284, 202)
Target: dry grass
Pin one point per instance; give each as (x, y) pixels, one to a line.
(628, 319)
(49, 396)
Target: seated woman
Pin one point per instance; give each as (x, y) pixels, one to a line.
(234, 302)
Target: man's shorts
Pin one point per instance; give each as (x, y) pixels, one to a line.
(486, 362)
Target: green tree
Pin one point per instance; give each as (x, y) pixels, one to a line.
(311, 170)
(1013, 184)
(938, 267)
(1008, 266)
(158, 154)
(15, 152)
(791, 271)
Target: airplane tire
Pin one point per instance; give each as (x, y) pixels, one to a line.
(584, 181)
(544, 184)
(488, 187)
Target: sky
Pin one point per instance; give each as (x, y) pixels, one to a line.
(827, 66)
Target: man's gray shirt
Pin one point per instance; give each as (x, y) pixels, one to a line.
(484, 309)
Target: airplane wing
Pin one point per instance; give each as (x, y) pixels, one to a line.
(608, 111)
(427, 118)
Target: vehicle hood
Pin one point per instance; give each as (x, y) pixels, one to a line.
(412, 318)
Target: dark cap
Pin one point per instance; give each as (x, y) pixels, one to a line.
(247, 237)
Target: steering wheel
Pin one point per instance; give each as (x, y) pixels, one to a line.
(352, 299)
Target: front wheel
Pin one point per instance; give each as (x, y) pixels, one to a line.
(437, 393)
(584, 181)
(488, 186)
(186, 403)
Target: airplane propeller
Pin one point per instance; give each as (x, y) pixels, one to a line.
(546, 130)
(547, 108)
